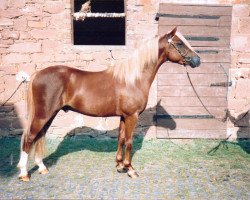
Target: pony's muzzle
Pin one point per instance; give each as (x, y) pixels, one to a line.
(194, 61)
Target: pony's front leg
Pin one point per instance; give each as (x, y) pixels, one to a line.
(121, 140)
(130, 123)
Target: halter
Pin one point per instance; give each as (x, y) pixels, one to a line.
(183, 54)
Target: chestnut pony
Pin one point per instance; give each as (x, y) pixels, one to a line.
(121, 90)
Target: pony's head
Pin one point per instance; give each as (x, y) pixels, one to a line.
(175, 48)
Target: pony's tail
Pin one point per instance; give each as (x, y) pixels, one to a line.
(30, 112)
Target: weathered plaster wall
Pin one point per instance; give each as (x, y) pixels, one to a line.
(35, 34)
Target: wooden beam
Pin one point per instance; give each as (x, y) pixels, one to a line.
(81, 15)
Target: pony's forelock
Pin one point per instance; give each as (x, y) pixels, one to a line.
(183, 39)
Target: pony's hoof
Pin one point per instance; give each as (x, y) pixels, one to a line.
(44, 171)
(24, 178)
(121, 169)
(132, 174)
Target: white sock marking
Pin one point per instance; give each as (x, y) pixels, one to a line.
(23, 164)
(39, 162)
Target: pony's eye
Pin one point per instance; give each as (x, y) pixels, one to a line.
(180, 43)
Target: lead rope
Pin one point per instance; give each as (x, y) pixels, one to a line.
(23, 81)
(226, 113)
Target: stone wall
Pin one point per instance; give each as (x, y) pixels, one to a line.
(38, 33)
(35, 34)
(239, 93)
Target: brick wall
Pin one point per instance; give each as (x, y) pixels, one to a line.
(35, 34)
(239, 93)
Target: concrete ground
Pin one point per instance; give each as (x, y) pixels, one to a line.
(83, 167)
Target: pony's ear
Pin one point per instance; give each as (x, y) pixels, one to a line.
(171, 33)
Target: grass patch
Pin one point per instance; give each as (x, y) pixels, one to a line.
(213, 153)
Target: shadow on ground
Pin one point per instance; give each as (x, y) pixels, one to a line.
(10, 126)
(242, 121)
(71, 143)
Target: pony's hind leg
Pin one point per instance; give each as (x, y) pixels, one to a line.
(40, 145)
(121, 140)
(39, 153)
(28, 140)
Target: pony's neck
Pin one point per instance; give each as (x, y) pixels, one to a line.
(150, 72)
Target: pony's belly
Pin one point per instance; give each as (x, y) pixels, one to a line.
(92, 108)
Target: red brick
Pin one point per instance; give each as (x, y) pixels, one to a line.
(7, 42)
(244, 25)
(10, 85)
(15, 58)
(235, 22)
(234, 59)
(7, 34)
(3, 50)
(149, 9)
(9, 69)
(12, 13)
(33, 10)
(242, 88)
(54, 7)
(20, 24)
(43, 34)
(240, 10)
(35, 1)
(42, 57)
(137, 16)
(6, 22)
(102, 55)
(29, 68)
(17, 3)
(144, 2)
(68, 4)
(65, 57)
(57, 20)
(1, 86)
(239, 43)
(26, 47)
(24, 35)
(3, 4)
(244, 58)
(86, 56)
(234, 104)
(51, 46)
(35, 18)
(37, 24)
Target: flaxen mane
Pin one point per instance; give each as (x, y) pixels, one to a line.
(131, 69)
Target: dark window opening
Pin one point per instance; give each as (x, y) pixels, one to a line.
(100, 31)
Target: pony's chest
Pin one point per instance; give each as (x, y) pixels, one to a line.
(132, 100)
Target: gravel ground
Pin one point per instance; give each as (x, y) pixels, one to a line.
(84, 167)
